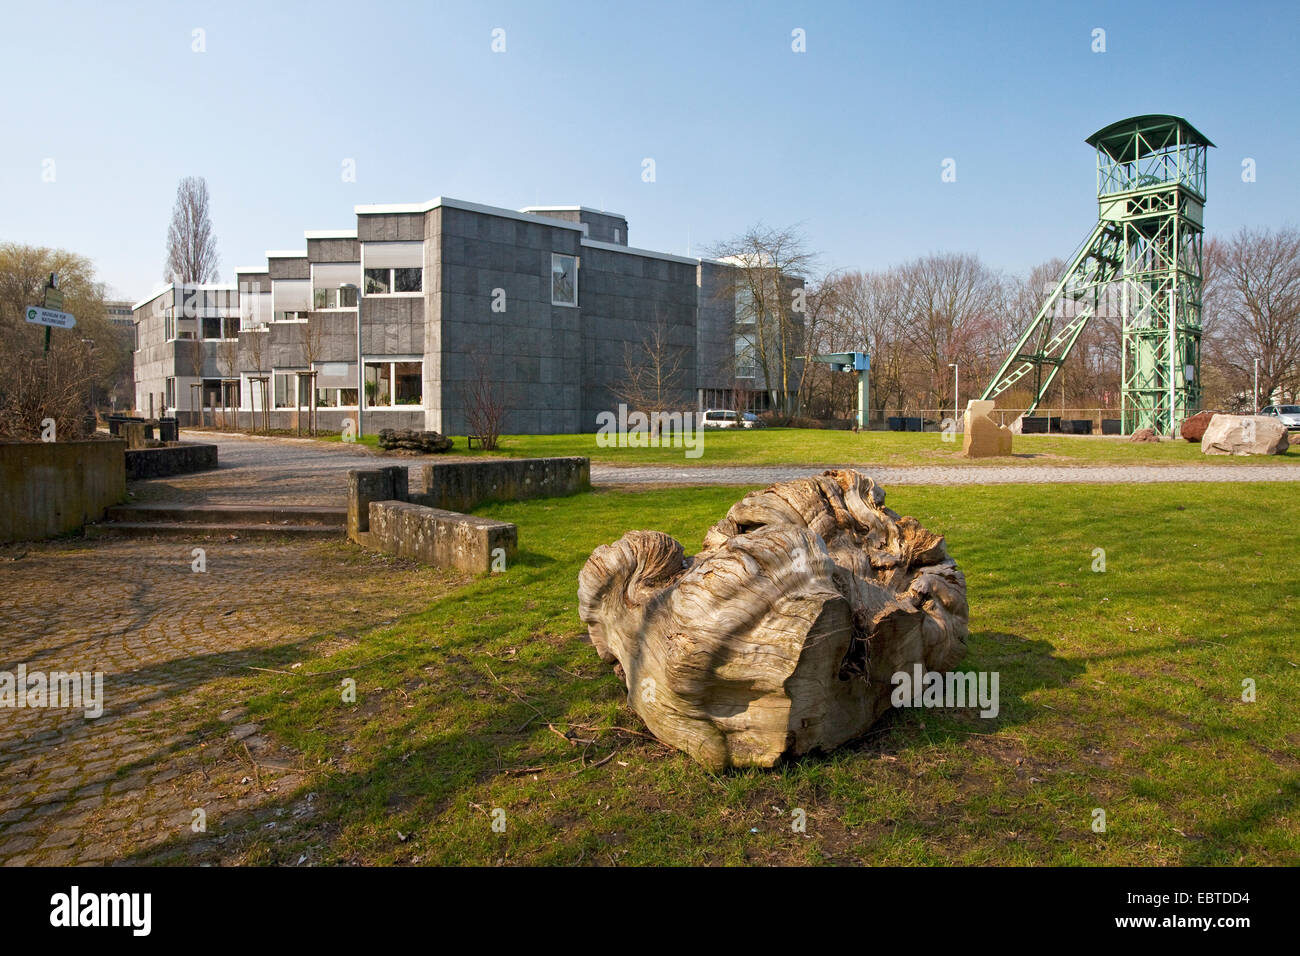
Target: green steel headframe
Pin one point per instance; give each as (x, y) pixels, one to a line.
(1141, 262)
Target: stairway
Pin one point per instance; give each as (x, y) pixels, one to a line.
(252, 520)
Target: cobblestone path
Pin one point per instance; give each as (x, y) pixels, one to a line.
(80, 790)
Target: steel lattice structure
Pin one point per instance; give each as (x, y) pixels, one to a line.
(1143, 259)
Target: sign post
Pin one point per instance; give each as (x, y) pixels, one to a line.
(50, 313)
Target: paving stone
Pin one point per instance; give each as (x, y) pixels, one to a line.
(161, 634)
(61, 838)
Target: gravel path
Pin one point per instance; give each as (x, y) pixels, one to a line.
(302, 471)
(930, 475)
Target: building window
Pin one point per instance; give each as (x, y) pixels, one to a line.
(284, 386)
(379, 383)
(335, 298)
(564, 280)
(185, 328)
(216, 327)
(336, 398)
(170, 400)
(408, 382)
(389, 384)
(216, 392)
(389, 281)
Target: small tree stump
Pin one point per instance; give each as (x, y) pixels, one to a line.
(780, 637)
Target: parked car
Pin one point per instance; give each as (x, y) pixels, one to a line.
(1288, 415)
(720, 418)
(750, 420)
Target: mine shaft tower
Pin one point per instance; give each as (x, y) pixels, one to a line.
(1141, 264)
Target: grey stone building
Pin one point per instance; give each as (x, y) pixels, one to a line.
(546, 308)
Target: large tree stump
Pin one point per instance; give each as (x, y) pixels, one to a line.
(781, 636)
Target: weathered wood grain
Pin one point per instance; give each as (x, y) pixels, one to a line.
(781, 635)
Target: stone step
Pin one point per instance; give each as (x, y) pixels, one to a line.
(190, 529)
(241, 514)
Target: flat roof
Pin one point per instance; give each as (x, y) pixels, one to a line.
(598, 212)
(330, 234)
(193, 286)
(633, 251)
(436, 202)
(286, 253)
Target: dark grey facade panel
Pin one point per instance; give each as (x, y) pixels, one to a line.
(284, 268)
(333, 250)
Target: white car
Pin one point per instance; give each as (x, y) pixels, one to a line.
(1288, 415)
(721, 418)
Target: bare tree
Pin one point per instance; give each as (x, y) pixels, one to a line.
(60, 384)
(655, 377)
(769, 267)
(867, 315)
(1253, 298)
(191, 246)
(312, 344)
(485, 404)
(228, 359)
(950, 300)
(258, 337)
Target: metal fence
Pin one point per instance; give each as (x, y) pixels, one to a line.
(932, 419)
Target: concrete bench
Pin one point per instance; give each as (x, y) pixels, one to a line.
(444, 539)
(463, 485)
(383, 512)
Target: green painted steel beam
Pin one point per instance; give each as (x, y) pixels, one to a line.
(1148, 242)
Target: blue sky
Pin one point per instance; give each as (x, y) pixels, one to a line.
(846, 139)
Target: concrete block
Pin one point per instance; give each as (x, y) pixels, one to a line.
(373, 484)
(441, 538)
(462, 485)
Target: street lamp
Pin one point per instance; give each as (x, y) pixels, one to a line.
(1256, 386)
(956, 391)
(361, 368)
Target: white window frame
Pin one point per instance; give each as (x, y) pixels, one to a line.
(333, 295)
(551, 278)
(225, 327)
(392, 362)
(392, 283)
(336, 388)
(298, 381)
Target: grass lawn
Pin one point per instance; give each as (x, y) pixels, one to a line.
(805, 446)
(1120, 690)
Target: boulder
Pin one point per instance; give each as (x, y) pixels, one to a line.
(787, 631)
(1194, 428)
(984, 438)
(1244, 435)
(1144, 434)
(429, 442)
